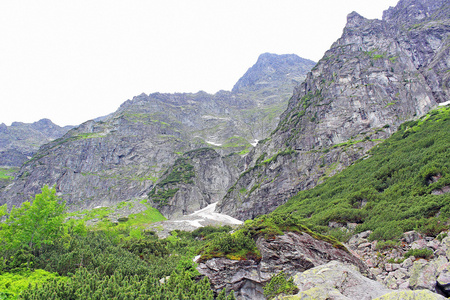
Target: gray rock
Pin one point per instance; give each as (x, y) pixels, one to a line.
(411, 236)
(443, 280)
(336, 280)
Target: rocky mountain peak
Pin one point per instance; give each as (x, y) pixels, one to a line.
(354, 20)
(272, 69)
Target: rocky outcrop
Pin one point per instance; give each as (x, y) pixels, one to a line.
(379, 74)
(290, 253)
(336, 280)
(20, 141)
(199, 178)
(121, 156)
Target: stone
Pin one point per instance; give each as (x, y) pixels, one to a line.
(443, 280)
(411, 236)
(336, 280)
(20, 141)
(419, 244)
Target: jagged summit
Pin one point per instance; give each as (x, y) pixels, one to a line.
(272, 70)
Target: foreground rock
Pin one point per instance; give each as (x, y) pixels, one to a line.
(336, 280)
(290, 253)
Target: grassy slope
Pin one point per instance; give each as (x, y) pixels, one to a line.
(389, 192)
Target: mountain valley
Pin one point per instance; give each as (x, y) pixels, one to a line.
(327, 180)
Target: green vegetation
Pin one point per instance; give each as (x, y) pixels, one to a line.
(136, 221)
(394, 190)
(422, 253)
(31, 226)
(7, 173)
(44, 258)
(162, 196)
(11, 284)
(279, 284)
(181, 172)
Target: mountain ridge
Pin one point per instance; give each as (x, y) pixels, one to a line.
(123, 155)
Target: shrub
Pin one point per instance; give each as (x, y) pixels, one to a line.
(423, 253)
(279, 284)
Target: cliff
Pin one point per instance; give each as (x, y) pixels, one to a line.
(379, 74)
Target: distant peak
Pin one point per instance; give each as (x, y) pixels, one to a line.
(271, 68)
(44, 121)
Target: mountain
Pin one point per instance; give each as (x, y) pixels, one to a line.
(20, 141)
(379, 74)
(130, 152)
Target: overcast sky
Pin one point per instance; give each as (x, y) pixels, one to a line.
(71, 61)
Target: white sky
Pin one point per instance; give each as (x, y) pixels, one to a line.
(71, 61)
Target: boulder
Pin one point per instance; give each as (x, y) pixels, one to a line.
(336, 280)
(443, 280)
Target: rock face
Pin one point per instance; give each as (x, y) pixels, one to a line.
(379, 74)
(291, 253)
(20, 141)
(121, 156)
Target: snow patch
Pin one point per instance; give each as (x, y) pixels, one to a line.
(214, 144)
(255, 142)
(215, 118)
(208, 213)
(444, 103)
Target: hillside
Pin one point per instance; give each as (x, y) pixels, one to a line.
(122, 156)
(401, 184)
(379, 74)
